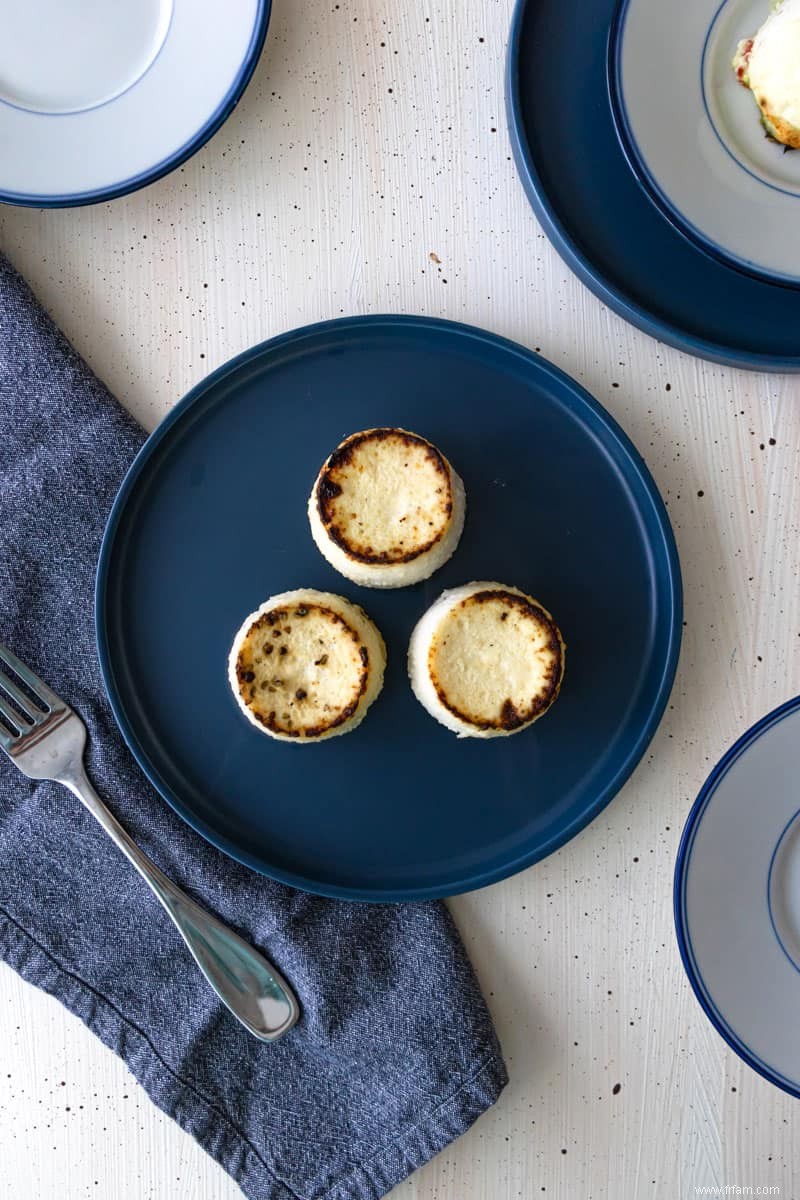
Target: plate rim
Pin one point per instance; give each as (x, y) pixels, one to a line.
(685, 847)
(578, 260)
(218, 118)
(644, 177)
(476, 879)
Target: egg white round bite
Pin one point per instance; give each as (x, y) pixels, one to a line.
(769, 64)
(306, 666)
(486, 660)
(387, 509)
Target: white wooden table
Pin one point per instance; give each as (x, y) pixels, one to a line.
(373, 137)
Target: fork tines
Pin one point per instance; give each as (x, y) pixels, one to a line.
(27, 710)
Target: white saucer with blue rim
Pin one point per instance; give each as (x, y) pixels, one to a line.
(737, 897)
(99, 98)
(692, 134)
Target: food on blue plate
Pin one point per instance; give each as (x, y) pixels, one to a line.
(306, 666)
(769, 65)
(486, 660)
(387, 509)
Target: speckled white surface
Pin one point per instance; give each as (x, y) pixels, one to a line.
(371, 138)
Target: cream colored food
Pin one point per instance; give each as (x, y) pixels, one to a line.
(769, 65)
(306, 666)
(486, 660)
(387, 508)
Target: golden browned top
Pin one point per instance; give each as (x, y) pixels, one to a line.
(497, 660)
(385, 496)
(302, 670)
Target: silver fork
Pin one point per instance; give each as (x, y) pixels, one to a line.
(46, 740)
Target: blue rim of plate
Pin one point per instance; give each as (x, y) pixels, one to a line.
(637, 464)
(679, 896)
(579, 261)
(151, 174)
(792, 820)
(644, 176)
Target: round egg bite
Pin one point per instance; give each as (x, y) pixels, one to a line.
(387, 509)
(486, 660)
(306, 666)
(767, 64)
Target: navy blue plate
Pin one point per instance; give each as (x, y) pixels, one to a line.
(599, 218)
(211, 520)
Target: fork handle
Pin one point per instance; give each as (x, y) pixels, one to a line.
(242, 978)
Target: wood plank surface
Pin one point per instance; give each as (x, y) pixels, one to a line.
(372, 137)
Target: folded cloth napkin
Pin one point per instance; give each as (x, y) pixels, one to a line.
(394, 1054)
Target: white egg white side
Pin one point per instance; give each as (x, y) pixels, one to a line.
(356, 618)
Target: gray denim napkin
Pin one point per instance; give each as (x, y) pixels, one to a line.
(394, 1055)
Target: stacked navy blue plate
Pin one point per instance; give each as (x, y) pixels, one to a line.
(646, 163)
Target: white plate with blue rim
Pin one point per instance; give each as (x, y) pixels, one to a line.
(98, 99)
(693, 135)
(737, 897)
